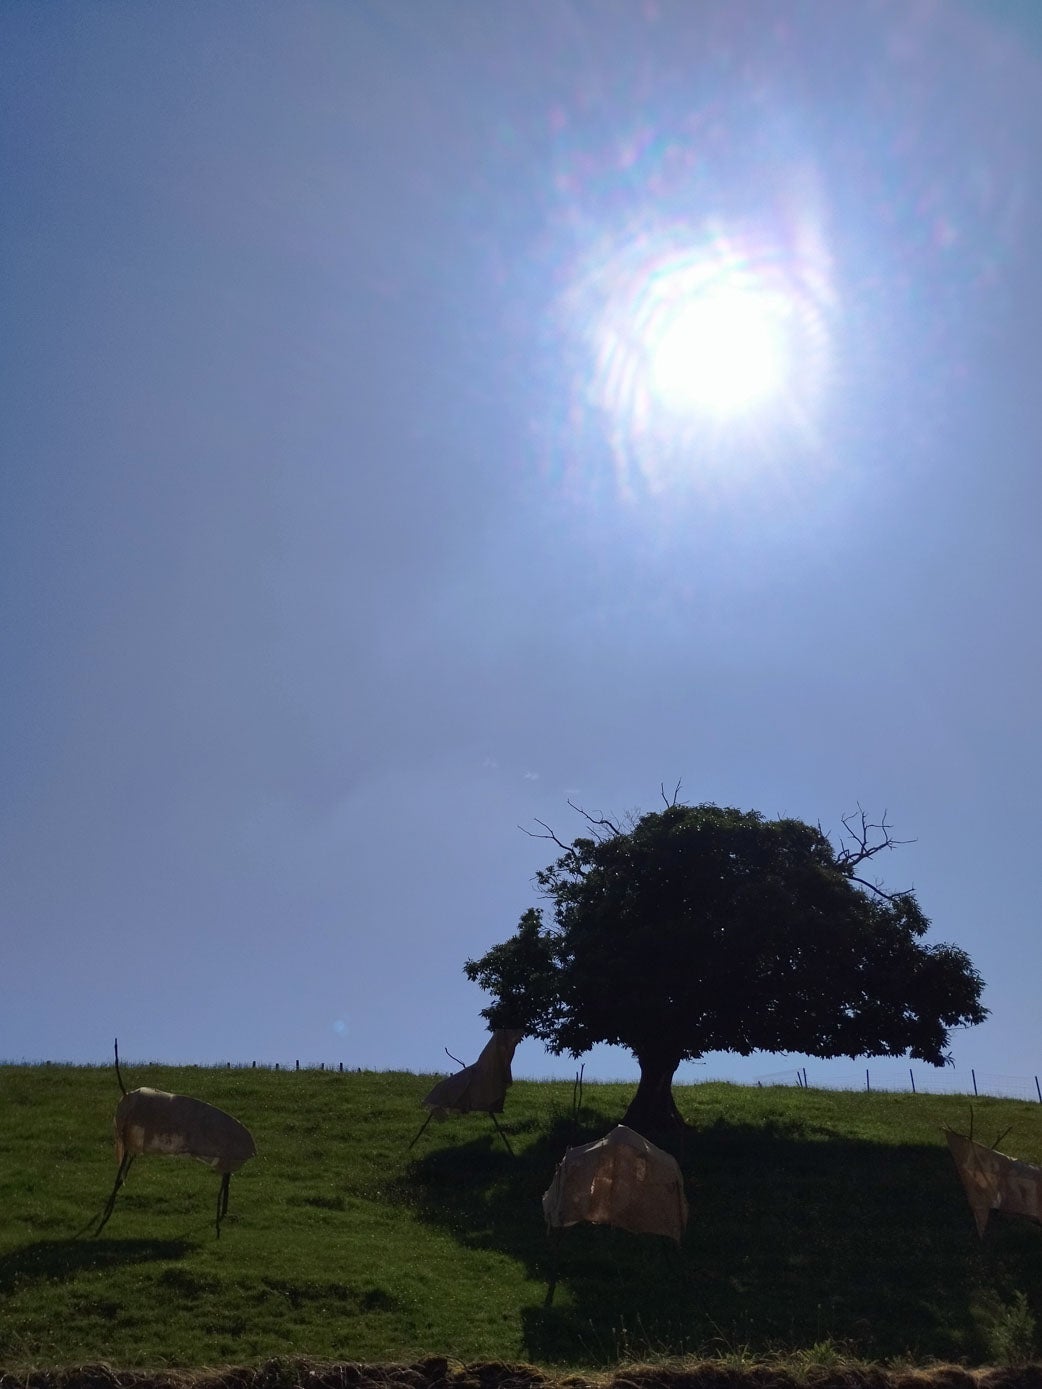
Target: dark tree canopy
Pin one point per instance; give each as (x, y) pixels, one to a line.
(699, 928)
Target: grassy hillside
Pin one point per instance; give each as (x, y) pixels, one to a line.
(821, 1224)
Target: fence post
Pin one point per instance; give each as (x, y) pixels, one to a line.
(868, 1083)
(804, 1077)
(321, 1065)
(298, 1065)
(911, 1077)
(276, 1065)
(342, 1072)
(973, 1077)
(1039, 1091)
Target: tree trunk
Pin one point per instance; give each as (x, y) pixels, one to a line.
(652, 1110)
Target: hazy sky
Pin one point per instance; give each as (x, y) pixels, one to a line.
(355, 510)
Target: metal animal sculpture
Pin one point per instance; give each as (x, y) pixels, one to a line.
(154, 1121)
(621, 1180)
(479, 1087)
(994, 1182)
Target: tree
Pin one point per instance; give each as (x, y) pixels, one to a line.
(698, 929)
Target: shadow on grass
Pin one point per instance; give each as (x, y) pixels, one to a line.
(796, 1238)
(54, 1260)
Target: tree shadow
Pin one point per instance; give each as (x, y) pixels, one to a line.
(796, 1237)
(57, 1260)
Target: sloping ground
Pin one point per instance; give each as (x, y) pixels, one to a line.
(437, 1373)
(820, 1222)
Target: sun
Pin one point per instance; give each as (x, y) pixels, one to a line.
(717, 349)
(703, 352)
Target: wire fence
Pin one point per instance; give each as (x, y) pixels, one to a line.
(130, 1064)
(907, 1079)
(889, 1079)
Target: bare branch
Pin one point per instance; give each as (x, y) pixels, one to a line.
(548, 835)
(597, 822)
(863, 845)
(878, 889)
(670, 804)
(453, 1058)
(603, 829)
(574, 863)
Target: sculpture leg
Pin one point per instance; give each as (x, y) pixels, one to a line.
(222, 1201)
(426, 1121)
(502, 1135)
(555, 1254)
(121, 1177)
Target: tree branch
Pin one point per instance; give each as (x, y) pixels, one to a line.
(598, 823)
(878, 889)
(603, 828)
(861, 846)
(548, 835)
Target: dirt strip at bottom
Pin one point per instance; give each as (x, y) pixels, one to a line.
(438, 1373)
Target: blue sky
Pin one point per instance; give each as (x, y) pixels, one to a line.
(343, 531)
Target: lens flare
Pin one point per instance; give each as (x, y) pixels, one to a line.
(702, 348)
(718, 350)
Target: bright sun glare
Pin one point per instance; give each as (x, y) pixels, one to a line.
(718, 350)
(704, 347)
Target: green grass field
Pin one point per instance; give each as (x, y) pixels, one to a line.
(822, 1225)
